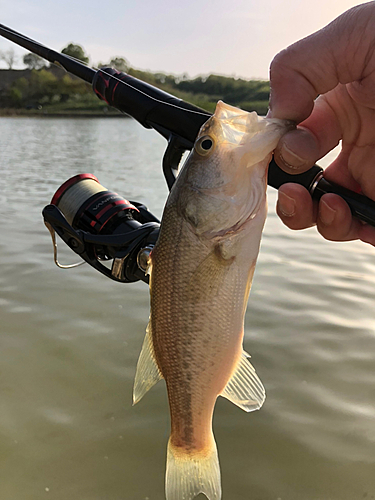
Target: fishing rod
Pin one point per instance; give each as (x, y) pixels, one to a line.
(82, 208)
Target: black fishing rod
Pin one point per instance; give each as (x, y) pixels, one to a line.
(176, 120)
(179, 122)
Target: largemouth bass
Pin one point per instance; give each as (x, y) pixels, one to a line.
(200, 277)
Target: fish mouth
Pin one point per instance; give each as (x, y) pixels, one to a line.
(231, 125)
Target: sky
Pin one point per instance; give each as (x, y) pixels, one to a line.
(198, 37)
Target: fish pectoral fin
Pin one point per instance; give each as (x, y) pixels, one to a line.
(209, 276)
(244, 388)
(147, 373)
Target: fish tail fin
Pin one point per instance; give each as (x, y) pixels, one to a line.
(188, 475)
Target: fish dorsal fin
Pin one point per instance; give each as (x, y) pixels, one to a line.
(244, 388)
(147, 373)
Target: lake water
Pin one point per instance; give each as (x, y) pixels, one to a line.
(69, 343)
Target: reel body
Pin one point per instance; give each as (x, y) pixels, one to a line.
(99, 225)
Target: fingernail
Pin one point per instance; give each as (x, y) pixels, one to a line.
(290, 158)
(286, 205)
(326, 213)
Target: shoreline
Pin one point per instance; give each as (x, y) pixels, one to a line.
(14, 113)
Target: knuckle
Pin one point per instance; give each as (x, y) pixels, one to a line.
(278, 63)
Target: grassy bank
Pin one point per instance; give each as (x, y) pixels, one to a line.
(52, 92)
(104, 111)
(68, 113)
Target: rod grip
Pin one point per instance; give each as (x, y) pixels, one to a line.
(360, 206)
(277, 177)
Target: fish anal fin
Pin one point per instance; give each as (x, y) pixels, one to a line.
(147, 373)
(244, 388)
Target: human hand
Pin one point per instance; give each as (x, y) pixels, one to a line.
(338, 64)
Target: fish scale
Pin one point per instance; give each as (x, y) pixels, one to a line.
(201, 270)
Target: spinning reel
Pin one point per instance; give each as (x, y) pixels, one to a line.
(99, 225)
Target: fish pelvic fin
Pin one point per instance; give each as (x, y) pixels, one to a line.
(244, 388)
(188, 474)
(147, 373)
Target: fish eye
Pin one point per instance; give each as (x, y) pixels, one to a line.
(204, 145)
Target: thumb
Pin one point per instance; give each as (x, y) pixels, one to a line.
(338, 53)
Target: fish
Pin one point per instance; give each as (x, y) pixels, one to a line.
(201, 269)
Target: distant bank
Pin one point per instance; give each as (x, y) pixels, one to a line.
(50, 91)
(46, 113)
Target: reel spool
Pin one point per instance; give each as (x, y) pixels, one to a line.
(100, 225)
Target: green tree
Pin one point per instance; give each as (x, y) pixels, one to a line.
(75, 51)
(15, 97)
(43, 85)
(119, 63)
(229, 89)
(33, 61)
(69, 88)
(40, 88)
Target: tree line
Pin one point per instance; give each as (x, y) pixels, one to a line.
(43, 87)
